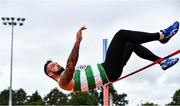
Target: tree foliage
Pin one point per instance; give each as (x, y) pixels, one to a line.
(20, 97)
(176, 98)
(35, 99)
(149, 104)
(4, 97)
(55, 97)
(83, 99)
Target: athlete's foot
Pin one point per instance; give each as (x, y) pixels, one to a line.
(168, 63)
(169, 32)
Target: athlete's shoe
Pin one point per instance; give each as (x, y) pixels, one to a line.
(169, 63)
(169, 32)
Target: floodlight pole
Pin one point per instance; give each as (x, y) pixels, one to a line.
(11, 65)
(11, 21)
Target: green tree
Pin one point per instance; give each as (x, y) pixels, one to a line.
(176, 98)
(20, 97)
(4, 97)
(149, 104)
(84, 98)
(118, 99)
(35, 99)
(55, 97)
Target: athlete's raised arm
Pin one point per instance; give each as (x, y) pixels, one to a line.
(67, 76)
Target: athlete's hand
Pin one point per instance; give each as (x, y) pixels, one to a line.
(79, 34)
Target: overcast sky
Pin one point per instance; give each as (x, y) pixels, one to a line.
(49, 33)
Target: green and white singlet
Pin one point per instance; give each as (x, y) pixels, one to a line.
(88, 77)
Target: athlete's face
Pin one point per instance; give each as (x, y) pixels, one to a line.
(55, 68)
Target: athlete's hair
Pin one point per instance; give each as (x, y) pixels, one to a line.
(45, 66)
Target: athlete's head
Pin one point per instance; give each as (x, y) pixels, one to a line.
(52, 68)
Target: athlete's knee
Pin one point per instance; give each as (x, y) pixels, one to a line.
(121, 33)
(140, 50)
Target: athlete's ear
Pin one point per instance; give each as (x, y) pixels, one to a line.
(50, 74)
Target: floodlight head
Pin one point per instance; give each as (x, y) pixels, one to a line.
(5, 23)
(20, 24)
(10, 23)
(18, 19)
(7, 18)
(3, 18)
(23, 19)
(12, 18)
(14, 23)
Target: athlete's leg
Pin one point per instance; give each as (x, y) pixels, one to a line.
(113, 63)
(145, 53)
(140, 50)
